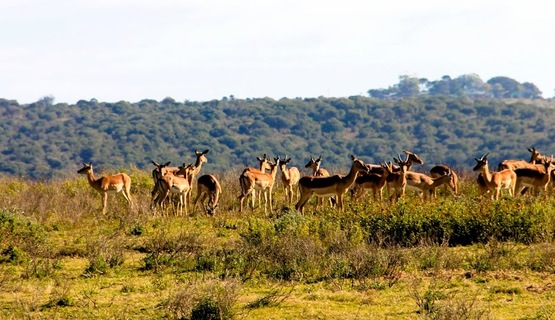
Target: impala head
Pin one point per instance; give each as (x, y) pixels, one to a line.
(413, 157)
(211, 208)
(185, 169)
(314, 163)
(359, 165)
(481, 163)
(86, 168)
(386, 169)
(201, 158)
(283, 163)
(159, 167)
(403, 164)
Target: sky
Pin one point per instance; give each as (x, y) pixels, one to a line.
(200, 50)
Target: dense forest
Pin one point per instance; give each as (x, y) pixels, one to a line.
(44, 139)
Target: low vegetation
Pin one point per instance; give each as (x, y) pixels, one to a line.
(453, 258)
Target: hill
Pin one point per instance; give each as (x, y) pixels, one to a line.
(44, 140)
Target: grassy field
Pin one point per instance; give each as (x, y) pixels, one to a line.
(453, 258)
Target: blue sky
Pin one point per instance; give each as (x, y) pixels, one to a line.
(199, 50)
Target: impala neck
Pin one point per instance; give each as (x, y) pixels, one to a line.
(285, 174)
(487, 174)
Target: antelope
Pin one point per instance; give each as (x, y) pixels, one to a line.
(252, 180)
(535, 157)
(371, 181)
(157, 174)
(424, 184)
(201, 158)
(264, 164)
(396, 179)
(314, 164)
(175, 183)
(290, 179)
(535, 178)
(335, 185)
(504, 179)
(442, 170)
(120, 182)
(208, 187)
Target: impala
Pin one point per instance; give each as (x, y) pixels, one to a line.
(157, 174)
(195, 169)
(208, 187)
(424, 184)
(263, 165)
(314, 164)
(264, 182)
(115, 183)
(442, 170)
(500, 180)
(535, 157)
(371, 181)
(175, 183)
(290, 179)
(396, 180)
(335, 185)
(535, 178)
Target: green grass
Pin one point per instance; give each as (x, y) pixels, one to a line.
(460, 258)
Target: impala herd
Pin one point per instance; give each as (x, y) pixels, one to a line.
(516, 176)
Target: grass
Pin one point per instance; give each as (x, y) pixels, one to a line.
(458, 258)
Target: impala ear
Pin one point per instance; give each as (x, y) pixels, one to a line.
(205, 151)
(167, 164)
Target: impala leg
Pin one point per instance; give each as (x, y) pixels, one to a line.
(104, 202)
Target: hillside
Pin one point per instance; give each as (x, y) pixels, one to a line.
(46, 140)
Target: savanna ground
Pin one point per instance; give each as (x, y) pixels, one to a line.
(453, 258)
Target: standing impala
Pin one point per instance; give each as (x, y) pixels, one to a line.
(264, 182)
(500, 180)
(537, 178)
(290, 178)
(371, 181)
(335, 185)
(201, 158)
(115, 183)
(314, 164)
(208, 187)
(175, 183)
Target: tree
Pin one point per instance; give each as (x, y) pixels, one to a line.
(408, 86)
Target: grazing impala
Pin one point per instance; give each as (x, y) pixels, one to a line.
(442, 170)
(264, 182)
(504, 179)
(537, 178)
(290, 178)
(424, 184)
(115, 183)
(175, 183)
(208, 187)
(335, 185)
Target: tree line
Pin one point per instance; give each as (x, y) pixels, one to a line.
(45, 140)
(467, 85)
